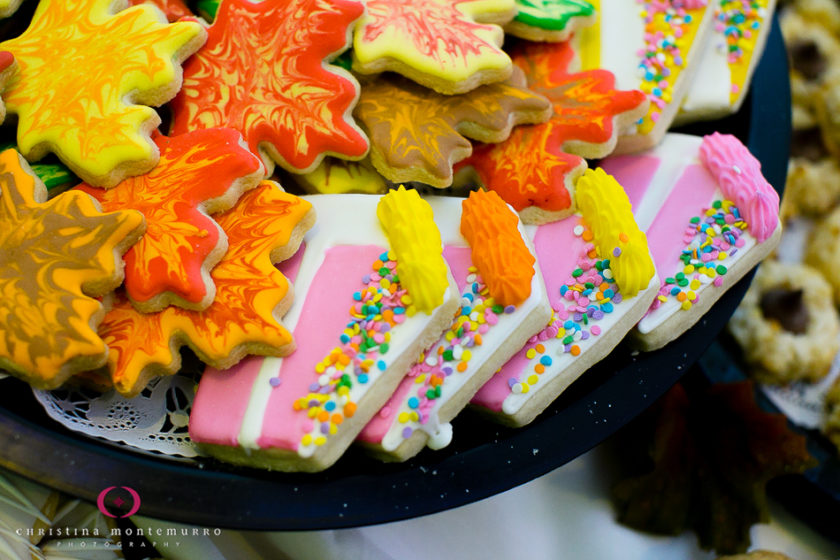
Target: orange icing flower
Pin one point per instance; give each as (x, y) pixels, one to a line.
(266, 226)
(498, 249)
(54, 255)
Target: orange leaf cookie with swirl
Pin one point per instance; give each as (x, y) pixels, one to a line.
(416, 134)
(535, 169)
(55, 257)
(199, 173)
(265, 227)
(87, 78)
(265, 72)
(451, 46)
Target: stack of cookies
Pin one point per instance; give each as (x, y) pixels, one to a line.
(364, 310)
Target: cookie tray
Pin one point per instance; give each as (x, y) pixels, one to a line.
(483, 459)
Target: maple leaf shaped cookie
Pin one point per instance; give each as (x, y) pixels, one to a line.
(451, 46)
(54, 255)
(174, 9)
(199, 173)
(263, 72)
(534, 170)
(550, 20)
(416, 134)
(85, 77)
(7, 68)
(266, 226)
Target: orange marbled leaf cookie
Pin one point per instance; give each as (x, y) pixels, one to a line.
(55, 257)
(416, 134)
(86, 79)
(199, 173)
(265, 72)
(266, 226)
(535, 169)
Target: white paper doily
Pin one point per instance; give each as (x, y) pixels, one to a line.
(155, 420)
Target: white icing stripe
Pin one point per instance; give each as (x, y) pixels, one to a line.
(711, 86)
(664, 179)
(252, 422)
(491, 340)
(622, 36)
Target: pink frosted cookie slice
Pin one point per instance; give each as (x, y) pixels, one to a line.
(302, 411)
(710, 216)
(600, 281)
(485, 333)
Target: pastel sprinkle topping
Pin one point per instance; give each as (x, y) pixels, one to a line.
(363, 345)
(710, 240)
(592, 294)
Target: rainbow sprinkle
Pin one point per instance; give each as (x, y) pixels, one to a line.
(592, 294)
(711, 239)
(667, 38)
(477, 315)
(380, 306)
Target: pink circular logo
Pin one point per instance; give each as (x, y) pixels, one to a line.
(133, 504)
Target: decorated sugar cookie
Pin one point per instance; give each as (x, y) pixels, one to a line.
(340, 176)
(291, 105)
(7, 68)
(534, 170)
(8, 7)
(450, 46)
(55, 175)
(359, 322)
(55, 257)
(503, 304)
(416, 134)
(729, 59)
(85, 77)
(550, 20)
(710, 216)
(652, 45)
(199, 173)
(174, 9)
(266, 226)
(600, 280)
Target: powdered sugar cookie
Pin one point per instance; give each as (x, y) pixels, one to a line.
(812, 187)
(367, 304)
(55, 257)
(291, 105)
(831, 428)
(653, 46)
(535, 169)
(86, 75)
(199, 173)
(822, 249)
(710, 216)
(417, 134)
(448, 46)
(730, 57)
(785, 324)
(599, 286)
(503, 304)
(265, 227)
(550, 20)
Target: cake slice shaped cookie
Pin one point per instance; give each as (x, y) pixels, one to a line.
(370, 295)
(710, 216)
(600, 280)
(503, 303)
(729, 59)
(651, 45)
